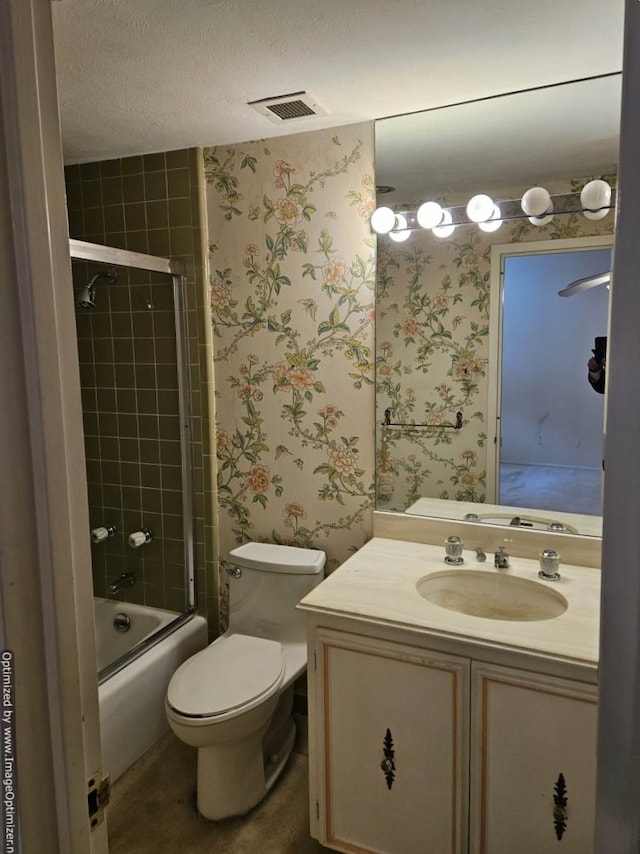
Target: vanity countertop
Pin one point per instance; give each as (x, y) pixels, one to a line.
(378, 583)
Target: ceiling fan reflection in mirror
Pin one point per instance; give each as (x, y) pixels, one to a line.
(585, 284)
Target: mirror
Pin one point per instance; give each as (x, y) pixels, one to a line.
(483, 405)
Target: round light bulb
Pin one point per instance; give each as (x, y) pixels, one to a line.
(404, 233)
(536, 202)
(595, 199)
(445, 229)
(480, 208)
(494, 223)
(543, 220)
(382, 220)
(429, 215)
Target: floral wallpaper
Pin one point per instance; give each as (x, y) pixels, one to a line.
(432, 334)
(292, 280)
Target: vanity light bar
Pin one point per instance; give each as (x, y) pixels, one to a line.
(386, 221)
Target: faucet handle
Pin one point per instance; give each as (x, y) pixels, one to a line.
(453, 548)
(501, 558)
(549, 565)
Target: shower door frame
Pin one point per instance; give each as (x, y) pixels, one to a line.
(96, 252)
(499, 254)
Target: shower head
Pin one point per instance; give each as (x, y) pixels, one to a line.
(87, 297)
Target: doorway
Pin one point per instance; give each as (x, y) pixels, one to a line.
(549, 420)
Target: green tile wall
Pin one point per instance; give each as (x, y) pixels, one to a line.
(148, 204)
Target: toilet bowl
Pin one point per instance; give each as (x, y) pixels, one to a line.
(233, 700)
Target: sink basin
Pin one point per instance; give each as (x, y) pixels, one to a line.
(492, 595)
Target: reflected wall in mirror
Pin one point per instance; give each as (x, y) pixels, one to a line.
(441, 324)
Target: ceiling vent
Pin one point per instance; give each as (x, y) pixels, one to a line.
(287, 108)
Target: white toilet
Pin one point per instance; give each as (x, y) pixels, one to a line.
(233, 700)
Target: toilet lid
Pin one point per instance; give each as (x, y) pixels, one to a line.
(228, 674)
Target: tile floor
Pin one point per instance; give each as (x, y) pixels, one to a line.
(152, 810)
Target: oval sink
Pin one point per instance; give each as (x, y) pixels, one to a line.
(492, 595)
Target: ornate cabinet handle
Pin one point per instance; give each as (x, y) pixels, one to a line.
(388, 765)
(560, 803)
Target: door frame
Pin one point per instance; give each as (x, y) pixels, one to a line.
(45, 577)
(499, 253)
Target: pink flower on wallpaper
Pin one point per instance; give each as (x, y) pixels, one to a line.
(252, 359)
(281, 375)
(470, 457)
(220, 293)
(410, 327)
(367, 207)
(301, 378)
(434, 419)
(386, 348)
(282, 168)
(333, 271)
(288, 212)
(222, 440)
(342, 460)
(258, 479)
(294, 511)
(440, 301)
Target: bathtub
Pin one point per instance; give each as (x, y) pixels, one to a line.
(131, 699)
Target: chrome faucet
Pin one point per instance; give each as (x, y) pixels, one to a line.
(501, 558)
(127, 579)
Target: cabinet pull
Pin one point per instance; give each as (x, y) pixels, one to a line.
(560, 806)
(388, 764)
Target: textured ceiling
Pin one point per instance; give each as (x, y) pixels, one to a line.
(138, 76)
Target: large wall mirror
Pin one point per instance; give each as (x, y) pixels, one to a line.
(484, 331)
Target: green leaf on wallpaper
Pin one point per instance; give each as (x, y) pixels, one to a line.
(298, 462)
(268, 241)
(332, 215)
(310, 306)
(280, 450)
(308, 270)
(370, 241)
(308, 210)
(319, 386)
(249, 162)
(258, 498)
(325, 242)
(285, 317)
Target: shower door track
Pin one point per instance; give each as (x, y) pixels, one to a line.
(123, 258)
(84, 251)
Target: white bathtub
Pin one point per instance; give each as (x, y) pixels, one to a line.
(132, 714)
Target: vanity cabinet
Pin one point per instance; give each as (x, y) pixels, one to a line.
(415, 751)
(391, 735)
(533, 758)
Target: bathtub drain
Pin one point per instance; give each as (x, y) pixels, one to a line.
(121, 623)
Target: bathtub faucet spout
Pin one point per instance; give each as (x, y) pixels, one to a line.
(127, 579)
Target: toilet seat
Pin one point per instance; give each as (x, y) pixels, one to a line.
(231, 675)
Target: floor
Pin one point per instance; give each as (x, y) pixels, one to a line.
(572, 490)
(152, 810)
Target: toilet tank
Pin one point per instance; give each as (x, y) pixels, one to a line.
(272, 580)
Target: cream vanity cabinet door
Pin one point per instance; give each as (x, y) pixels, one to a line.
(392, 736)
(533, 763)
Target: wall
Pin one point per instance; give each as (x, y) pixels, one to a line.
(432, 333)
(292, 287)
(150, 204)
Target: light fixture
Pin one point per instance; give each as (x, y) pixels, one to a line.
(480, 208)
(429, 215)
(445, 229)
(493, 223)
(383, 220)
(536, 202)
(595, 199)
(404, 233)
(545, 218)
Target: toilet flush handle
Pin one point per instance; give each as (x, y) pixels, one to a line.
(233, 571)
